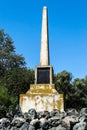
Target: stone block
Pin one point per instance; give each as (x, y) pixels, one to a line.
(41, 97)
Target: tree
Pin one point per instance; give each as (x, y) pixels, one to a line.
(63, 84)
(13, 73)
(63, 81)
(80, 94)
(18, 80)
(8, 58)
(7, 102)
(75, 93)
(15, 77)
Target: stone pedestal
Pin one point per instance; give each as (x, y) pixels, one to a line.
(41, 97)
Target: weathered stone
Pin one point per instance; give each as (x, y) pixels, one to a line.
(18, 119)
(25, 126)
(83, 118)
(83, 115)
(54, 113)
(53, 128)
(44, 114)
(72, 124)
(35, 123)
(83, 112)
(1, 127)
(44, 53)
(18, 122)
(61, 128)
(4, 122)
(32, 114)
(80, 126)
(13, 128)
(8, 128)
(44, 124)
(9, 116)
(72, 112)
(63, 114)
(27, 117)
(42, 95)
(40, 114)
(55, 122)
(31, 127)
(68, 119)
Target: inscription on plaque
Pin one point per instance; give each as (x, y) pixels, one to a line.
(43, 75)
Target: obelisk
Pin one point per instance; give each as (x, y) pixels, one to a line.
(44, 52)
(44, 72)
(42, 95)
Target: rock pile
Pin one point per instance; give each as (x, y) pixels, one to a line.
(55, 120)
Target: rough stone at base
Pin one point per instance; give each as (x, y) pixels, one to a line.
(41, 97)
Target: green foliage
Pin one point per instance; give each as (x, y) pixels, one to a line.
(18, 80)
(75, 93)
(15, 78)
(62, 81)
(4, 97)
(7, 102)
(63, 84)
(80, 94)
(8, 58)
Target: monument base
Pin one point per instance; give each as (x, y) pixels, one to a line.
(41, 97)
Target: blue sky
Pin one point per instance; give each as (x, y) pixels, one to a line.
(22, 20)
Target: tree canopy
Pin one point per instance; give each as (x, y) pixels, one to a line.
(15, 77)
(8, 57)
(75, 92)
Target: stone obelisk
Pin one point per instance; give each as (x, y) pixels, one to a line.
(44, 52)
(44, 72)
(42, 95)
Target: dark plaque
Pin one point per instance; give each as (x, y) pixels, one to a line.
(43, 75)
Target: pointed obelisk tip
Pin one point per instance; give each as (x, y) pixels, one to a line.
(44, 7)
